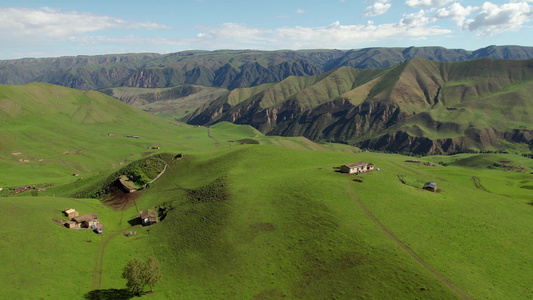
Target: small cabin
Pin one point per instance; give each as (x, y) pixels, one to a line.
(71, 213)
(86, 221)
(72, 224)
(148, 217)
(430, 186)
(125, 185)
(358, 167)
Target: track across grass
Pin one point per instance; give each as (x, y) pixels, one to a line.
(406, 248)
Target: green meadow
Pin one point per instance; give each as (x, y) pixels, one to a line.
(248, 216)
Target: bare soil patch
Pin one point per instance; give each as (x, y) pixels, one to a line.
(120, 200)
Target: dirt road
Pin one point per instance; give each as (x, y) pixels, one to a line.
(106, 237)
(209, 135)
(409, 251)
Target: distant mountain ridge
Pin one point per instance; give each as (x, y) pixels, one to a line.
(224, 68)
(419, 106)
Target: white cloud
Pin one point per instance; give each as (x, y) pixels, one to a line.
(492, 19)
(300, 11)
(376, 9)
(426, 3)
(417, 19)
(51, 23)
(334, 35)
(456, 12)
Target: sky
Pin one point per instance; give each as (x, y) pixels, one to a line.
(71, 27)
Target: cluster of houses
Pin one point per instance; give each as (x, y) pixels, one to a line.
(90, 221)
(84, 221)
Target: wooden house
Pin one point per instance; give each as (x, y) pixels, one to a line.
(358, 167)
(87, 221)
(430, 186)
(72, 225)
(148, 217)
(71, 213)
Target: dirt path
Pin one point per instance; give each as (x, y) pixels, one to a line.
(160, 174)
(209, 135)
(477, 183)
(106, 238)
(409, 251)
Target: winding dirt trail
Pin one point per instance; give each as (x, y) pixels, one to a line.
(406, 248)
(209, 135)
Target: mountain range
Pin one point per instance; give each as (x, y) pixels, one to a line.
(419, 100)
(224, 68)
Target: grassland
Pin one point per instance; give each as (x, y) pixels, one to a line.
(248, 216)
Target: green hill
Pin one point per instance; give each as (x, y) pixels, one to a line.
(243, 215)
(48, 133)
(420, 106)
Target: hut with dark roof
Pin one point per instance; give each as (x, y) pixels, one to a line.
(148, 217)
(430, 186)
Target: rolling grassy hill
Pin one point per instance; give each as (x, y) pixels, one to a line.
(249, 216)
(420, 106)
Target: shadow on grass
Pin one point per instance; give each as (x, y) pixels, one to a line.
(135, 221)
(109, 294)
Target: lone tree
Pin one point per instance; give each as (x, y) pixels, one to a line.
(140, 273)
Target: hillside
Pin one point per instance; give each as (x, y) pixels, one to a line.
(224, 68)
(48, 133)
(420, 106)
(248, 216)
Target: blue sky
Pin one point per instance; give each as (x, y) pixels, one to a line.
(61, 28)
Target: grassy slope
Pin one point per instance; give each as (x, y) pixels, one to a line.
(68, 130)
(37, 252)
(291, 229)
(485, 93)
(269, 220)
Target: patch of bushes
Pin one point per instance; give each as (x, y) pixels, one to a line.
(139, 172)
(249, 141)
